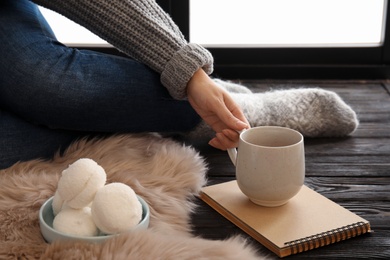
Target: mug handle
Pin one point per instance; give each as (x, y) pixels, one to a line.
(233, 151)
(233, 155)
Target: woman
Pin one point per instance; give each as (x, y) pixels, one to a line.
(51, 94)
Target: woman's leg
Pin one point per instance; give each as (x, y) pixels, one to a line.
(45, 85)
(22, 141)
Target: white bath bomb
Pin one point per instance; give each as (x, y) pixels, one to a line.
(116, 208)
(57, 203)
(77, 222)
(80, 181)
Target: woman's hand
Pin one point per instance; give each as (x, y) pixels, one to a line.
(217, 109)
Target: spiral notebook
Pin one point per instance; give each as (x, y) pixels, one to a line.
(309, 220)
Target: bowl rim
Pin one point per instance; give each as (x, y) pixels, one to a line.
(145, 218)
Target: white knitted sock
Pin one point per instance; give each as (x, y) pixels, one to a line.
(312, 111)
(232, 87)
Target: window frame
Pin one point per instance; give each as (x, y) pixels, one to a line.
(292, 62)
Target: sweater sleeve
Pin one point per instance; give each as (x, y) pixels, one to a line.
(142, 30)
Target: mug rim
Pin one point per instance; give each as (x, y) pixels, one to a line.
(245, 131)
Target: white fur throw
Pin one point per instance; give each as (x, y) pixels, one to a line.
(166, 174)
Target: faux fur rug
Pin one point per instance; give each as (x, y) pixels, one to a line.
(166, 174)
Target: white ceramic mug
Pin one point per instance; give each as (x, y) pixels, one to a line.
(270, 164)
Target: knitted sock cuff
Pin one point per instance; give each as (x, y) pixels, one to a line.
(184, 63)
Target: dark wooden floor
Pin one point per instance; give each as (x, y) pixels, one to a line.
(353, 171)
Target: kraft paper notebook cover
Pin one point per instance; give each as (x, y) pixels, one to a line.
(307, 221)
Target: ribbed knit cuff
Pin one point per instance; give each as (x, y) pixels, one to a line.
(180, 69)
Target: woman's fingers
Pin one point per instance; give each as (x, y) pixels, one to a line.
(225, 140)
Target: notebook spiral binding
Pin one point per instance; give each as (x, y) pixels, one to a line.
(328, 237)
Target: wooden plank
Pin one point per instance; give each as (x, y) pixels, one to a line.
(328, 167)
(347, 169)
(347, 146)
(347, 166)
(352, 188)
(372, 160)
(377, 128)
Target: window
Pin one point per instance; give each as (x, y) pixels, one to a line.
(365, 58)
(286, 23)
(335, 39)
(70, 33)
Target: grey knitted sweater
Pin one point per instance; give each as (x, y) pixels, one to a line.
(142, 30)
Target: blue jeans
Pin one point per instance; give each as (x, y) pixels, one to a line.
(51, 94)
